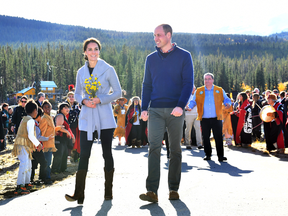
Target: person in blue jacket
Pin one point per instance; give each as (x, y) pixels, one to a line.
(167, 86)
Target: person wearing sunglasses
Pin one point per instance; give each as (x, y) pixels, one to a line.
(18, 114)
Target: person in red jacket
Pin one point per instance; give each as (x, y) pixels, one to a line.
(273, 130)
(242, 122)
(61, 139)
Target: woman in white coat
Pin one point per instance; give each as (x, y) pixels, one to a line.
(96, 119)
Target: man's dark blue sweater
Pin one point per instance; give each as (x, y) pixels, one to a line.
(168, 82)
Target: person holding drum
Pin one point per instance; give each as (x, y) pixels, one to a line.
(273, 124)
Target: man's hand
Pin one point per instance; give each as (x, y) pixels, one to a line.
(51, 137)
(187, 108)
(227, 106)
(12, 128)
(177, 111)
(144, 115)
(271, 114)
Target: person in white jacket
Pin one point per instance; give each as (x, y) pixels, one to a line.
(190, 119)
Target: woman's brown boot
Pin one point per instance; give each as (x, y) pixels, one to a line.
(79, 188)
(108, 184)
(138, 143)
(133, 142)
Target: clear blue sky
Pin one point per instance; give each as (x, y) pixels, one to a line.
(257, 17)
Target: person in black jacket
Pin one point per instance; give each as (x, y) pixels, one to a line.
(18, 114)
(2, 146)
(256, 121)
(73, 123)
(40, 99)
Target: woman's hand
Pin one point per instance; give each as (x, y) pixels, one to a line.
(69, 135)
(91, 103)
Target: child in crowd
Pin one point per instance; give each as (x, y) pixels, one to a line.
(25, 144)
(62, 138)
(38, 156)
(47, 128)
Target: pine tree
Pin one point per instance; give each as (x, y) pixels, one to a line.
(259, 77)
(129, 85)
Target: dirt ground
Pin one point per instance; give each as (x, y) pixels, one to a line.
(9, 171)
(9, 168)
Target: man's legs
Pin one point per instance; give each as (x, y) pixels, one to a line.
(206, 132)
(197, 128)
(217, 133)
(156, 129)
(189, 123)
(174, 127)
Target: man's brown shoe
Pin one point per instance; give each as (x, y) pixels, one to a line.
(149, 196)
(173, 195)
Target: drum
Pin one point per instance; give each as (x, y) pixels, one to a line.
(264, 111)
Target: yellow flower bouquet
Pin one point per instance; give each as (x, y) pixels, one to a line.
(91, 86)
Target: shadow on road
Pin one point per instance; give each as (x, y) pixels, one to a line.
(260, 152)
(154, 208)
(225, 168)
(180, 207)
(131, 150)
(184, 167)
(105, 208)
(74, 210)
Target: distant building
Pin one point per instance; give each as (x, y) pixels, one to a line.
(47, 87)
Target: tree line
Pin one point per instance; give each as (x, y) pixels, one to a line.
(20, 67)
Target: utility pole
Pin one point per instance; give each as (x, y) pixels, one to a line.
(50, 70)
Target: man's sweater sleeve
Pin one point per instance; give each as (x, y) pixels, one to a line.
(146, 87)
(187, 80)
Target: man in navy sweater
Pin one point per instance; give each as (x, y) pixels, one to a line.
(167, 86)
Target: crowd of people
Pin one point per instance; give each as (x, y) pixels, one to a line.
(40, 138)
(260, 117)
(171, 109)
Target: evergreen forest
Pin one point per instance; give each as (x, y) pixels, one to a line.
(237, 61)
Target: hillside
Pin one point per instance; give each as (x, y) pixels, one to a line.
(237, 61)
(15, 31)
(282, 35)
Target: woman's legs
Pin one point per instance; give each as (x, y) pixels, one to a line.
(106, 142)
(86, 145)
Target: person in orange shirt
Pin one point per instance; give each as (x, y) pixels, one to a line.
(47, 128)
(227, 127)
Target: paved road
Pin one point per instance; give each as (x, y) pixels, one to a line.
(250, 183)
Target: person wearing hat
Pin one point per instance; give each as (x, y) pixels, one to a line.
(73, 119)
(273, 130)
(120, 111)
(40, 98)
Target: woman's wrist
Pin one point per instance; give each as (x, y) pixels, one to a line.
(84, 101)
